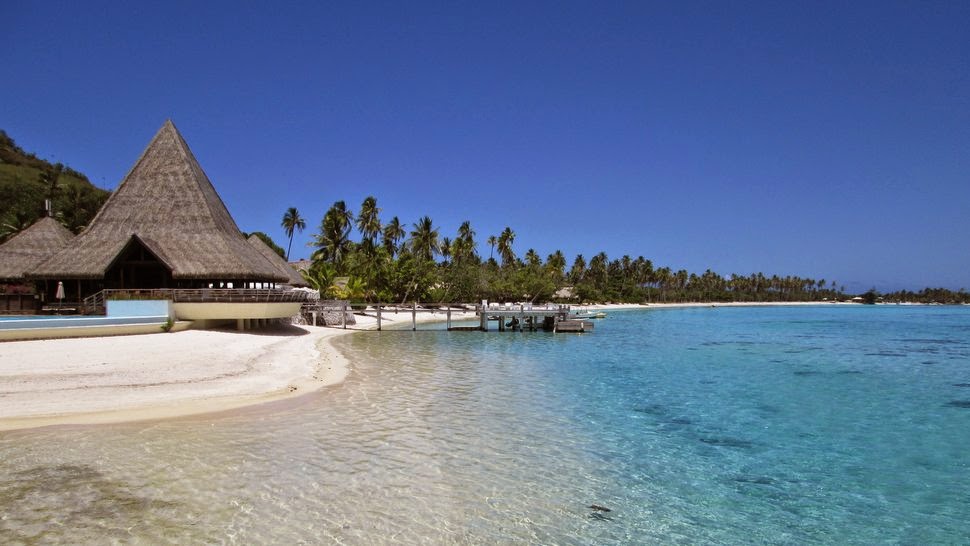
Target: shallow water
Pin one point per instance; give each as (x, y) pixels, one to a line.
(727, 425)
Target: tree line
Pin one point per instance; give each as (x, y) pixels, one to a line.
(395, 262)
(927, 295)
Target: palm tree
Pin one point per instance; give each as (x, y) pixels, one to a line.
(555, 263)
(578, 270)
(393, 233)
(446, 248)
(663, 276)
(466, 233)
(626, 273)
(424, 239)
(333, 241)
(459, 249)
(464, 245)
(597, 271)
(491, 242)
(532, 258)
(292, 221)
(505, 246)
(368, 222)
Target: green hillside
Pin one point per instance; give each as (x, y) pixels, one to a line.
(26, 181)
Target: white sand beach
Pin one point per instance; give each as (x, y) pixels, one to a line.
(128, 378)
(153, 376)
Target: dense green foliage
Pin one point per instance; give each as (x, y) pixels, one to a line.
(928, 295)
(26, 181)
(419, 263)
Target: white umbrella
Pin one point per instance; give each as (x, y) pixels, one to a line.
(60, 292)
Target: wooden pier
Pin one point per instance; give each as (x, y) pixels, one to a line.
(523, 317)
(509, 317)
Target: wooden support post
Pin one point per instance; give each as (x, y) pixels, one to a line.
(343, 316)
(448, 319)
(483, 318)
(501, 323)
(378, 317)
(414, 316)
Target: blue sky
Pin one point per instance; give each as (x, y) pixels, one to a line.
(826, 140)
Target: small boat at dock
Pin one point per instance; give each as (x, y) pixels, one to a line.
(589, 315)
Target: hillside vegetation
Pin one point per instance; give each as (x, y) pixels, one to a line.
(26, 181)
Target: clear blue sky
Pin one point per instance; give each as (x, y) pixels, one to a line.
(827, 140)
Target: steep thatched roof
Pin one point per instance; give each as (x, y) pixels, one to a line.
(22, 252)
(168, 202)
(295, 279)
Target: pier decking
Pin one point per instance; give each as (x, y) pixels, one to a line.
(512, 317)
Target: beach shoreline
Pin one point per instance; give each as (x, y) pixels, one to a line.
(146, 377)
(93, 381)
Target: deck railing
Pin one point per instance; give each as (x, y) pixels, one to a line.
(208, 295)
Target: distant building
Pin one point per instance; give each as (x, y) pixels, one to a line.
(565, 293)
(23, 252)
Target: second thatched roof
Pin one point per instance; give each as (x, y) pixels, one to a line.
(22, 252)
(295, 279)
(168, 202)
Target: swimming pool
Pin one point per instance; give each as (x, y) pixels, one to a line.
(24, 322)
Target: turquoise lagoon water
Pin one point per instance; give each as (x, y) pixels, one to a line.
(800, 425)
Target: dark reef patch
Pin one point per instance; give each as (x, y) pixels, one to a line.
(757, 480)
(651, 409)
(727, 441)
(84, 498)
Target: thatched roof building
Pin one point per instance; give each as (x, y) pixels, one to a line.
(25, 250)
(163, 227)
(294, 277)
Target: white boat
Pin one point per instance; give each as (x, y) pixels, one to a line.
(589, 315)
